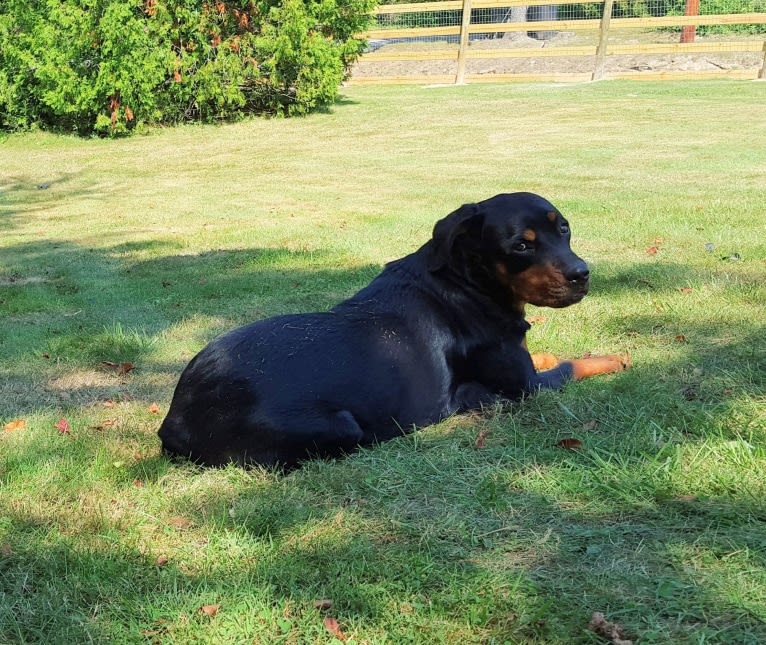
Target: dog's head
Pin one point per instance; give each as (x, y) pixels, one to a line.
(517, 243)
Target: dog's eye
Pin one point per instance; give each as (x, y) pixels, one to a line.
(523, 247)
(565, 229)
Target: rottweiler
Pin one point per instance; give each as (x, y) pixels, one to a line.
(437, 332)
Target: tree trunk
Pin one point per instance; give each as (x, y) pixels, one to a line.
(516, 14)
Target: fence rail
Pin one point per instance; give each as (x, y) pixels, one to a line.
(442, 42)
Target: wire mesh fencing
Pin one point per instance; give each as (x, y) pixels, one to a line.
(502, 40)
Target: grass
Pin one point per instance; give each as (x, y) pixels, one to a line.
(139, 251)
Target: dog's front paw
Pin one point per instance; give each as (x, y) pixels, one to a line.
(626, 361)
(544, 361)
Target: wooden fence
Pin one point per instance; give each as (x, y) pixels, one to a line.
(445, 53)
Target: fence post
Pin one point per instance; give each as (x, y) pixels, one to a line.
(460, 75)
(689, 31)
(762, 73)
(598, 70)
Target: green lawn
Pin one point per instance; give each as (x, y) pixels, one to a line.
(141, 250)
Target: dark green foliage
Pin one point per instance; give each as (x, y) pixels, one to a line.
(108, 65)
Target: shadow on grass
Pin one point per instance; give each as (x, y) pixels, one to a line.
(425, 530)
(414, 535)
(70, 309)
(26, 195)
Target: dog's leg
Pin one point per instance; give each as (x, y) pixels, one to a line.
(578, 369)
(544, 361)
(337, 435)
(472, 396)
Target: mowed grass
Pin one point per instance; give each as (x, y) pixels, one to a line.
(140, 251)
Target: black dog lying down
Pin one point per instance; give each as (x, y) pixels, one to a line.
(437, 332)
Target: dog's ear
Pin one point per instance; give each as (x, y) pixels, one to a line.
(447, 231)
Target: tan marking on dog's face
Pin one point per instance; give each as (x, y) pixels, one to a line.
(552, 216)
(529, 235)
(542, 285)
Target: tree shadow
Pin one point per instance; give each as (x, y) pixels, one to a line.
(441, 530)
(451, 546)
(76, 309)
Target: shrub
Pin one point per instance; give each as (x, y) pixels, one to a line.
(108, 65)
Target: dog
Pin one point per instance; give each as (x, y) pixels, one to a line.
(438, 332)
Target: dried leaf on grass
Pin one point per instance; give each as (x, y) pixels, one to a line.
(611, 631)
(570, 444)
(180, 522)
(323, 604)
(481, 438)
(120, 368)
(106, 423)
(333, 627)
(154, 408)
(210, 610)
(63, 426)
(16, 424)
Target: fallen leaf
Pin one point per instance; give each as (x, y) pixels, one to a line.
(570, 444)
(652, 250)
(480, 439)
(148, 633)
(154, 408)
(611, 631)
(691, 393)
(46, 355)
(16, 424)
(333, 626)
(106, 423)
(181, 522)
(109, 404)
(590, 425)
(323, 604)
(210, 610)
(5, 549)
(658, 240)
(63, 426)
(536, 319)
(138, 483)
(161, 560)
(680, 338)
(686, 289)
(120, 368)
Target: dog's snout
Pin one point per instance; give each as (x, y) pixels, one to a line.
(578, 272)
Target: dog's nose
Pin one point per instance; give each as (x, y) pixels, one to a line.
(578, 273)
